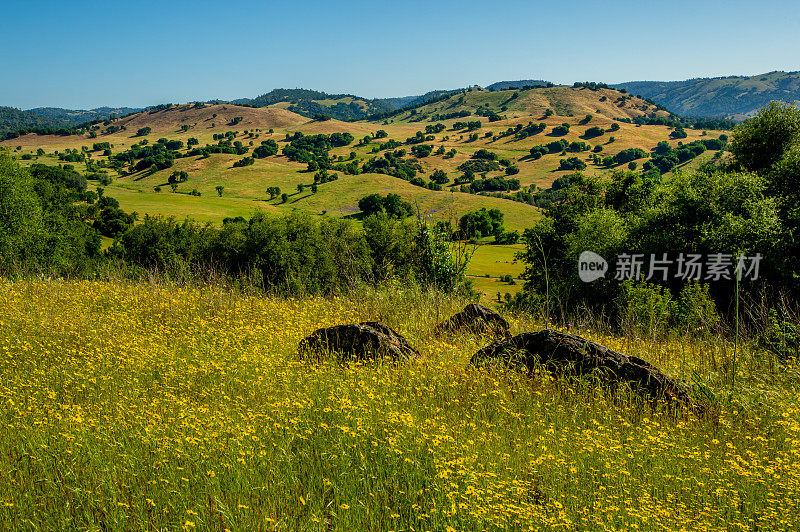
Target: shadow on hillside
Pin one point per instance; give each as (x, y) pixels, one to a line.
(355, 216)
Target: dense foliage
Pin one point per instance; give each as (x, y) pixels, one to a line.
(43, 225)
(749, 206)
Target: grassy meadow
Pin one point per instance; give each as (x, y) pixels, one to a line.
(166, 407)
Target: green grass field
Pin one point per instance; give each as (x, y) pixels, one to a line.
(488, 263)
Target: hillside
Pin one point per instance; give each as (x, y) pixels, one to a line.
(245, 187)
(12, 119)
(532, 104)
(421, 142)
(411, 101)
(75, 117)
(453, 148)
(310, 103)
(201, 116)
(161, 405)
(518, 84)
(736, 97)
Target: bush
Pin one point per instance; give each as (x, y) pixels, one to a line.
(439, 177)
(646, 308)
(761, 141)
(507, 237)
(538, 151)
(391, 204)
(781, 336)
(696, 311)
(421, 150)
(678, 133)
(485, 155)
(247, 161)
(480, 223)
(576, 147)
(572, 163)
(557, 146)
(268, 148)
(593, 132)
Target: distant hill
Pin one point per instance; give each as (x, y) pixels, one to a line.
(202, 118)
(736, 97)
(505, 85)
(309, 103)
(511, 104)
(74, 117)
(12, 119)
(410, 101)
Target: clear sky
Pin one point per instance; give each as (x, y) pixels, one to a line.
(83, 54)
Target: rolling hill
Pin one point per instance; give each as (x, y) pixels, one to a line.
(501, 117)
(75, 117)
(310, 103)
(459, 129)
(532, 104)
(518, 84)
(735, 97)
(12, 119)
(732, 97)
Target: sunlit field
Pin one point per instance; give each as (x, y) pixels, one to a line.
(130, 406)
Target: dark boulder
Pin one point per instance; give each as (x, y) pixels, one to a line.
(567, 353)
(364, 341)
(475, 318)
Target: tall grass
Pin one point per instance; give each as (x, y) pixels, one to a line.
(163, 406)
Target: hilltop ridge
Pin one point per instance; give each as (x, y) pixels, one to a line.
(734, 97)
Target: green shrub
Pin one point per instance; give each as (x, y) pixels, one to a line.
(646, 307)
(696, 312)
(781, 337)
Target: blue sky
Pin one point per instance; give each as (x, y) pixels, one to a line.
(83, 54)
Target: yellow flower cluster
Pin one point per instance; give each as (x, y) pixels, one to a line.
(158, 407)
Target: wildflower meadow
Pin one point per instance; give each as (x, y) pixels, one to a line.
(160, 407)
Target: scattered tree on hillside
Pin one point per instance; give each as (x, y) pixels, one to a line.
(572, 163)
(392, 204)
(480, 223)
(273, 192)
(678, 133)
(439, 177)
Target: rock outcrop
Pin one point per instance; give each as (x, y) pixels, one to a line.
(475, 318)
(567, 353)
(363, 341)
